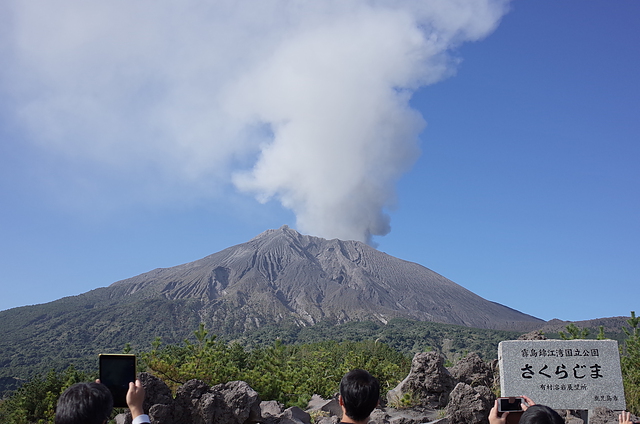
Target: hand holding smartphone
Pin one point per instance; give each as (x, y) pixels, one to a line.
(116, 372)
(510, 404)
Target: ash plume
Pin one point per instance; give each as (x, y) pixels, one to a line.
(306, 103)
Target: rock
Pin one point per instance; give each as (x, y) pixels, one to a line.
(470, 405)
(271, 408)
(328, 420)
(606, 416)
(332, 406)
(295, 415)
(473, 371)
(160, 413)
(230, 403)
(186, 402)
(428, 382)
(379, 416)
(156, 391)
(403, 416)
(533, 335)
(158, 400)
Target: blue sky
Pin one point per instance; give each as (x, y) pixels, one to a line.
(525, 190)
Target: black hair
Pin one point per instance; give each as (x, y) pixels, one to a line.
(540, 414)
(84, 403)
(360, 393)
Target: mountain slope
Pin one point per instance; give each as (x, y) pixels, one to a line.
(281, 273)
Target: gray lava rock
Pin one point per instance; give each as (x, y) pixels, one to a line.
(606, 416)
(429, 382)
(470, 405)
(295, 415)
(473, 371)
(186, 402)
(403, 416)
(332, 406)
(328, 420)
(533, 335)
(271, 408)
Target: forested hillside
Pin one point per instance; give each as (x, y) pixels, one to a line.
(405, 336)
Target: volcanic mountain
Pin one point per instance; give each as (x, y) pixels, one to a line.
(278, 279)
(281, 274)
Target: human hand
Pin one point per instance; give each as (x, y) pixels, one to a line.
(135, 398)
(528, 403)
(625, 418)
(493, 415)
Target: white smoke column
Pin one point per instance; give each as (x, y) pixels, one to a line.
(186, 92)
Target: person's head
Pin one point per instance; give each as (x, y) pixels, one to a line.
(540, 414)
(84, 403)
(360, 392)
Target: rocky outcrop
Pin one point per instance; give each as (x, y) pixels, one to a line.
(469, 404)
(428, 383)
(472, 370)
(197, 403)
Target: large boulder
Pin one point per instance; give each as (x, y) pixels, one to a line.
(472, 370)
(470, 405)
(318, 404)
(273, 412)
(186, 402)
(428, 383)
(294, 415)
(230, 403)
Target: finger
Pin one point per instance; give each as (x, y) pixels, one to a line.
(494, 410)
(529, 401)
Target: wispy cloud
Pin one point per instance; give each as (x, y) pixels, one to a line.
(304, 102)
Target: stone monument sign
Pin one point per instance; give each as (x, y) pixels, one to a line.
(563, 374)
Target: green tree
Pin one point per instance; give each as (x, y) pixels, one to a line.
(630, 364)
(36, 400)
(206, 359)
(291, 374)
(288, 373)
(574, 332)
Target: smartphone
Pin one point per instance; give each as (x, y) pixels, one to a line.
(510, 404)
(116, 372)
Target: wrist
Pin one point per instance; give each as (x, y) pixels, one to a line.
(136, 411)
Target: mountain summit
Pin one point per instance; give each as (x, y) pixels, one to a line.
(282, 275)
